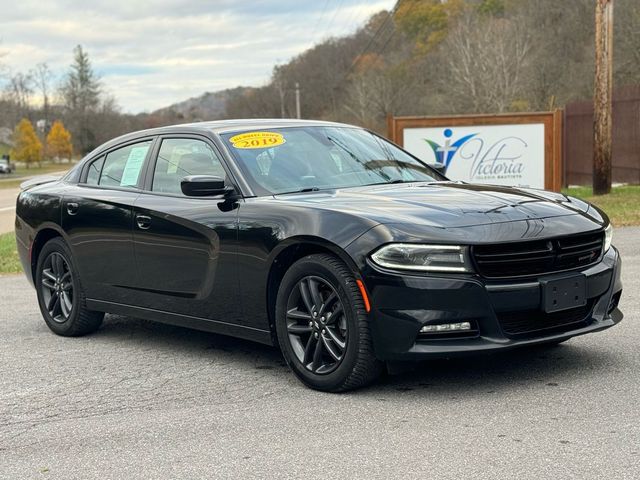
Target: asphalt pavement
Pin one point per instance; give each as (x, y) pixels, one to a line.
(145, 400)
(8, 199)
(8, 208)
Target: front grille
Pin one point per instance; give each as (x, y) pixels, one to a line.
(537, 257)
(536, 322)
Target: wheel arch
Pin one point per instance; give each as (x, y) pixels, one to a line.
(47, 232)
(289, 252)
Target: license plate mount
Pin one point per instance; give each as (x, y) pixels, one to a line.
(564, 293)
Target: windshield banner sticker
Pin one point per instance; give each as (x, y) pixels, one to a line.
(257, 140)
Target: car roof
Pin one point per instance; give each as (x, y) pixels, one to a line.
(223, 126)
(218, 127)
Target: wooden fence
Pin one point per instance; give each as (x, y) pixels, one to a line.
(578, 139)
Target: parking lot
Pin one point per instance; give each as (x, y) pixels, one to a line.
(145, 400)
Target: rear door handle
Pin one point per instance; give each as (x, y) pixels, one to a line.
(72, 208)
(143, 221)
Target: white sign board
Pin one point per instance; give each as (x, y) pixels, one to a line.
(495, 154)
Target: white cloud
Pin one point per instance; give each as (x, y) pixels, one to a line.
(153, 53)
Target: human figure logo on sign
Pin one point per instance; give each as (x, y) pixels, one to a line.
(444, 154)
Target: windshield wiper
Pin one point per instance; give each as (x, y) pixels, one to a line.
(302, 190)
(399, 180)
(391, 182)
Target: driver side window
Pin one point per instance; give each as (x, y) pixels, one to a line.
(181, 157)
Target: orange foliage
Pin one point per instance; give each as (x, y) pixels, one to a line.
(59, 141)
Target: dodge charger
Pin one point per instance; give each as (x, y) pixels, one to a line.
(323, 239)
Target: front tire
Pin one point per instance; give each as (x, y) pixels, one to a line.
(60, 295)
(322, 326)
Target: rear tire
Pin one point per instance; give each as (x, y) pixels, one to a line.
(60, 295)
(322, 326)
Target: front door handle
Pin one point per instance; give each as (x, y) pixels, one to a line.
(143, 221)
(72, 208)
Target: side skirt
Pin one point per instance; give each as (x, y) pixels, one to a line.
(197, 323)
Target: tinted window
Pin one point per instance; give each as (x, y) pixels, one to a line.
(93, 175)
(180, 157)
(284, 160)
(122, 166)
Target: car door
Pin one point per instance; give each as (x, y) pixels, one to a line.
(97, 215)
(185, 247)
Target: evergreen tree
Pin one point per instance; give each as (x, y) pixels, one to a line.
(81, 96)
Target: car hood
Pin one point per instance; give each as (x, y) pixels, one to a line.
(441, 204)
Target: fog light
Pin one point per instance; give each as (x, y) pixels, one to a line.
(446, 327)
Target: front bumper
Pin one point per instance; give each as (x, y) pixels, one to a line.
(505, 314)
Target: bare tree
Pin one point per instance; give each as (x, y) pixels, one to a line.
(43, 77)
(560, 62)
(377, 89)
(484, 61)
(627, 41)
(17, 94)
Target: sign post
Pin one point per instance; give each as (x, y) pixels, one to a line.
(522, 150)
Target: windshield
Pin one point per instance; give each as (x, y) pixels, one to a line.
(284, 160)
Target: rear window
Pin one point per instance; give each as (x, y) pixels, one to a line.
(120, 167)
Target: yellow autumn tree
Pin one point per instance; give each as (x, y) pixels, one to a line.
(427, 21)
(27, 147)
(59, 141)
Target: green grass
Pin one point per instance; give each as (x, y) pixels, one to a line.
(44, 168)
(12, 183)
(622, 205)
(9, 261)
(14, 179)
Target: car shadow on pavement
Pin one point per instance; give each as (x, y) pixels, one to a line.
(550, 366)
(182, 340)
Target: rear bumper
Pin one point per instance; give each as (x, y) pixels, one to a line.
(505, 314)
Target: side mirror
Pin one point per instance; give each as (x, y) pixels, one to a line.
(439, 167)
(203, 186)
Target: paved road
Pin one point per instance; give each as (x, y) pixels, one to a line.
(7, 208)
(143, 400)
(8, 202)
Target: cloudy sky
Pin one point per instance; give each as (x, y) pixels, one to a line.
(150, 54)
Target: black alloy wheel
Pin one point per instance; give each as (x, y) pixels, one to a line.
(322, 325)
(316, 325)
(60, 294)
(57, 287)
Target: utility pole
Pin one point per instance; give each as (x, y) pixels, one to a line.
(281, 93)
(603, 96)
(279, 84)
(298, 101)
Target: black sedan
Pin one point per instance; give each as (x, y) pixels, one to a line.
(322, 238)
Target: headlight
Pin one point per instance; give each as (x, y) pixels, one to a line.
(608, 236)
(426, 258)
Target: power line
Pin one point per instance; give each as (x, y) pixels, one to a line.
(373, 38)
(315, 28)
(335, 13)
(381, 51)
(356, 13)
